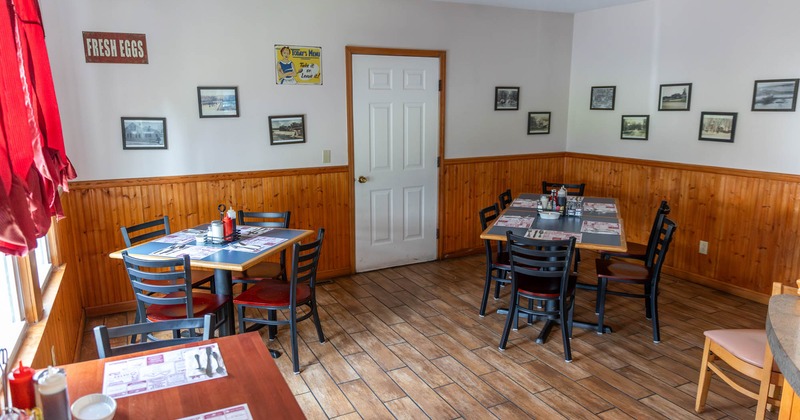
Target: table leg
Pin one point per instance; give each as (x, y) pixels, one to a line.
(223, 283)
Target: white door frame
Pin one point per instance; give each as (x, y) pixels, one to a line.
(354, 50)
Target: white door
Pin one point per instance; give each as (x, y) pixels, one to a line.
(395, 140)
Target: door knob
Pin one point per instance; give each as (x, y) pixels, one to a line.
(362, 179)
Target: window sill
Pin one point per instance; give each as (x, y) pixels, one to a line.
(33, 336)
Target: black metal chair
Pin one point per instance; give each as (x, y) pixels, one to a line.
(163, 291)
(572, 189)
(540, 272)
(263, 270)
(274, 295)
(103, 335)
(146, 231)
(497, 264)
(647, 276)
(637, 250)
(505, 198)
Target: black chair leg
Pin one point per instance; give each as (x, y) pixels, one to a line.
(512, 314)
(654, 307)
(273, 329)
(486, 288)
(315, 317)
(648, 309)
(497, 284)
(602, 283)
(293, 332)
(240, 310)
(564, 317)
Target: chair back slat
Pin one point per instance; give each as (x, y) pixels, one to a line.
(505, 198)
(264, 219)
(541, 258)
(487, 216)
(103, 335)
(135, 234)
(661, 213)
(572, 189)
(305, 259)
(172, 275)
(656, 258)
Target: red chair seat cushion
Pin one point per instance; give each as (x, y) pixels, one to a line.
(622, 271)
(747, 345)
(202, 303)
(542, 287)
(272, 294)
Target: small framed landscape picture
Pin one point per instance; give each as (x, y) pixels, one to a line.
(635, 127)
(718, 126)
(603, 97)
(218, 102)
(538, 123)
(506, 98)
(287, 129)
(675, 97)
(144, 133)
(775, 95)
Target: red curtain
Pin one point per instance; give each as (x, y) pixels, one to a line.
(34, 163)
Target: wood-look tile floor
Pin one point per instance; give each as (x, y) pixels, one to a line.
(407, 342)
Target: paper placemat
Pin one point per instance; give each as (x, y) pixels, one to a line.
(515, 221)
(599, 207)
(195, 252)
(237, 412)
(602, 228)
(552, 235)
(143, 374)
(524, 202)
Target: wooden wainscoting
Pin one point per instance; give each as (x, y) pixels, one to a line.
(95, 210)
(471, 184)
(750, 219)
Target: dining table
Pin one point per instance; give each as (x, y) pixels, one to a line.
(598, 226)
(245, 379)
(246, 248)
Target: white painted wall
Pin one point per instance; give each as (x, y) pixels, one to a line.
(721, 46)
(205, 42)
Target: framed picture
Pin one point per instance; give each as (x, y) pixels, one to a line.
(506, 98)
(144, 133)
(635, 127)
(775, 95)
(717, 126)
(603, 97)
(538, 123)
(298, 65)
(286, 129)
(675, 97)
(218, 102)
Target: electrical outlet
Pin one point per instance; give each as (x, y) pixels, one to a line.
(326, 156)
(704, 247)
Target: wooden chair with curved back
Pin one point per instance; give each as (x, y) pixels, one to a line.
(747, 352)
(266, 269)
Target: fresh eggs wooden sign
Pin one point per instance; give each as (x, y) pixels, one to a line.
(113, 47)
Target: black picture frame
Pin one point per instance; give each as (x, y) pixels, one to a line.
(506, 98)
(287, 129)
(603, 98)
(718, 126)
(218, 101)
(635, 127)
(143, 133)
(775, 95)
(539, 122)
(675, 97)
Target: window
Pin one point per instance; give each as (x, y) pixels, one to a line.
(20, 293)
(11, 314)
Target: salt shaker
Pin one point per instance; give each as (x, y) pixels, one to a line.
(51, 394)
(217, 232)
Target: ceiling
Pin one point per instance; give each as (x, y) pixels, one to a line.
(566, 6)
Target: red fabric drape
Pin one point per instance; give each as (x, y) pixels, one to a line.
(33, 159)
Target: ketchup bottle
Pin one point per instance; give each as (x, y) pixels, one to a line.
(227, 226)
(20, 382)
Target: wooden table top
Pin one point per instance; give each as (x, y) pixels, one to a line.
(573, 224)
(225, 259)
(253, 378)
